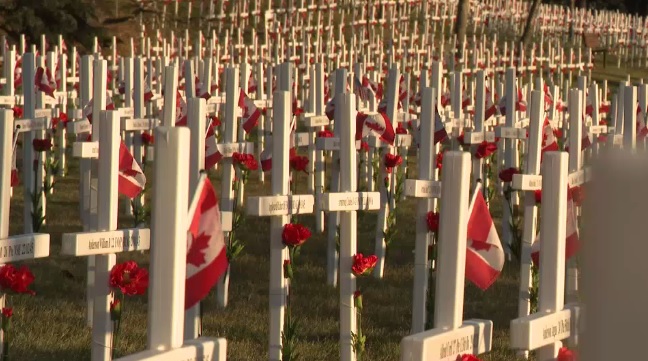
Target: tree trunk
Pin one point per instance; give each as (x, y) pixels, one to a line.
(526, 35)
(463, 7)
(572, 7)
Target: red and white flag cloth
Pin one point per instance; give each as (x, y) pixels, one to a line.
(520, 103)
(440, 132)
(484, 252)
(206, 252)
(361, 89)
(148, 94)
(251, 113)
(402, 89)
(490, 108)
(131, 178)
(377, 123)
(549, 141)
(252, 84)
(572, 241)
(181, 110)
(642, 130)
(212, 154)
(201, 90)
(87, 111)
(44, 81)
(548, 98)
(376, 88)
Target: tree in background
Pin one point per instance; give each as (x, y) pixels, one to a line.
(76, 20)
(526, 34)
(463, 8)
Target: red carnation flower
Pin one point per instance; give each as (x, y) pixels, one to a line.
(16, 280)
(295, 234)
(42, 145)
(325, 134)
(363, 265)
(129, 278)
(148, 138)
(432, 220)
(485, 149)
(392, 160)
(245, 161)
(506, 175)
(299, 163)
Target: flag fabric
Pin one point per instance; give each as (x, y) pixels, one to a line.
(402, 89)
(361, 89)
(548, 98)
(206, 252)
(440, 133)
(549, 141)
(44, 81)
(131, 178)
(148, 94)
(212, 154)
(251, 113)
(376, 123)
(572, 240)
(252, 84)
(520, 103)
(87, 110)
(484, 252)
(181, 110)
(490, 108)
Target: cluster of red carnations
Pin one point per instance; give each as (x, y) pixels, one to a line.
(245, 161)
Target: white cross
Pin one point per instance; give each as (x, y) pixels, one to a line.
(451, 335)
(168, 259)
(346, 201)
(107, 239)
(553, 322)
(425, 188)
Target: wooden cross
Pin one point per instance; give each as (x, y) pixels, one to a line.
(554, 321)
(168, 259)
(107, 239)
(279, 206)
(451, 335)
(425, 188)
(346, 201)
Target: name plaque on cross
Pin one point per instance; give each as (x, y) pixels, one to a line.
(85, 149)
(25, 246)
(473, 337)
(579, 177)
(510, 133)
(301, 139)
(126, 112)
(280, 205)
(478, 137)
(598, 129)
(349, 201)
(80, 126)
(26, 125)
(138, 124)
(7, 99)
(200, 349)
(422, 188)
(227, 150)
(43, 113)
(538, 330)
(94, 243)
(314, 121)
(527, 182)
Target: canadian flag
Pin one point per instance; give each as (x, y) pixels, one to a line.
(484, 253)
(87, 110)
(181, 110)
(402, 89)
(251, 113)
(376, 123)
(252, 84)
(206, 252)
(520, 103)
(548, 98)
(491, 109)
(131, 178)
(440, 132)
(572, 242)
(148, 94)
(212, 154)
(549, 142)
(201, 90)
(44, 81)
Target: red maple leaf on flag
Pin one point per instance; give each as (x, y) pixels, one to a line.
(196, 253)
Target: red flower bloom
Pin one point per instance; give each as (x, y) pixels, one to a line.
(299, 163)
(15, 179)
(467, 357)
(295, 234)
(558, 133)
(364, 146)
(148, 138)
(363, 265)
(7, 312)
(460, 139)
(565, 354)
(392, 160)
(439, 160)
(16, 279)
(245, 161)
(400, 129)
(18, 112)
(538, 195)
(129, 278)
(432, 220)
(506, 175)
(42, 145)
(485, 149)
(325, 133)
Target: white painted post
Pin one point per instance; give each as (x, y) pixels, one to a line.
(227, 193)
(575, 105)
(196, 116)
(427, 160)
(629, 117)
(29, 105)
(170, 88)
(6, 152)
(510, 150)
